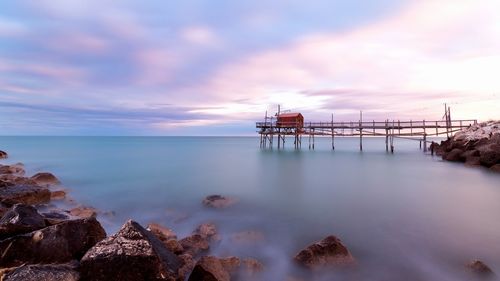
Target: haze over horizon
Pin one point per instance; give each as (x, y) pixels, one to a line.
(213, 68)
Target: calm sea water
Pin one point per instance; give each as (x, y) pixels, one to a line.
(406, 216)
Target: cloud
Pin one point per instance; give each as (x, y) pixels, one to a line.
(200, 35)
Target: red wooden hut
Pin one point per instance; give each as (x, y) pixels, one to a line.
(290, 120)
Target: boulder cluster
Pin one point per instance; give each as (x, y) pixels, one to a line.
(478, 145)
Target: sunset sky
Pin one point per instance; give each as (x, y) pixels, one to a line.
(214, 67)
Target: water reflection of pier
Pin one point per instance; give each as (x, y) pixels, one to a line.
(289, 124)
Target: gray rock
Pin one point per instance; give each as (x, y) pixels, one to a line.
(58, 243)
(20, 219)
(133, 253)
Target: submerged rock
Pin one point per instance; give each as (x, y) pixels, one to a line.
(209, 268)
(20, 219)
(195, 244)
(247, 237)
(133, 253)
(495, 168)
(26, 194)
(45, 272)
(327, 252)
(163, 233)
(45, 179)
(83, 212)
(479, 268)
(58, 243)
(208, 231)
(218, 201)
(3, 154)
(57, 195)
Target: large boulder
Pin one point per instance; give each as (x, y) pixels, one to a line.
(3, 154)
(20, 219)
(133, 253)
(45, 272)
(45, 179)
(58, 243)
(26, 194)
(490, 157)
(454, 155)
(495, 168)
(209, 268)
(327, 252)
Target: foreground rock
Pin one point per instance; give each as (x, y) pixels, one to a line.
(20, 219)
(218, 201)
(479, 268)
(133, 253)
(495, 168)
(26, 194)
(327, 252)
(45, 179)
(163, 233)
(3, 154)
(210, 269)
(230, 268)
(45, 272)
(59, 243)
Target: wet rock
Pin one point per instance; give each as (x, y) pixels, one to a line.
(490, 157)
(469, 154)
(327, 252)
(479, 268)
(251, 266)
(187, 265)
(16, 180)
(473, 161)
(231, 264)
(57, 195)
(45, 272)
(56, 216)
(208, 231)
(209, 268)
(26, 194)
(194, 244)
(163, 233)
(3, 154)
(454, 155)
(218, 201)
(20, 219)
(45, 179)
(174, 246)
(83, 212)
(58, 243)
(247, 237)
(238, 268)
(133, 253)
(16, 169)
(495, 168)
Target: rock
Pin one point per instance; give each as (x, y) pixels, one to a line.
(16, 169)
(45, 272)
(26, 194)
(163, 233)
(246, 237)
(187, 265)
(495, 168)
(208, 231)
(20, 219)
(473, 161)
(231, 264)
(490, 157)
(55, 217)
(16, 180)
(479, 268)
(468, 154)
(251, 266)
(3, 154)
(174, 246)
(133, 253)
(209, 269)
(45, 179)
(194, 244)
(218, 201)
(327, 252)
(454, 155)
(57, 195)
(83, 212)
(58, 243)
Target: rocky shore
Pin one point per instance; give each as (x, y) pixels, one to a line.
(478, 145)
(39, 241)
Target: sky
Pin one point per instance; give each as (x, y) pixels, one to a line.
(102, 67)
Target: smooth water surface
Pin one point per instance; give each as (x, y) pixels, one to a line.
(406, 216)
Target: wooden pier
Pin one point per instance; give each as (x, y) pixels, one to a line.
(291, 125)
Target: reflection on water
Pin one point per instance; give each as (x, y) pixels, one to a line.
(405, 216)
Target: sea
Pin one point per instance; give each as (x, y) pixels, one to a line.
(403, 216)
